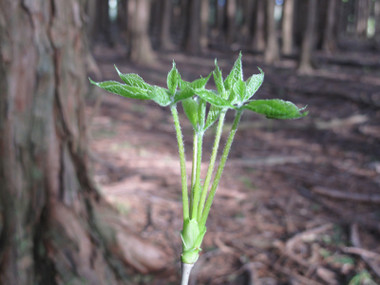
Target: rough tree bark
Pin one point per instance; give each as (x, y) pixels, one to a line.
(287, 27)
(272, 52)
(140, 46)
(308, 42)
(55, 228)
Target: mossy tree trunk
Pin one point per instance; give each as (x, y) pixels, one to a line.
(54, 226)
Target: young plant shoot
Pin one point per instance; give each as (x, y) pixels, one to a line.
(203, 107)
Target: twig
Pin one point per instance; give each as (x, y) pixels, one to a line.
(336, 194)
(355, 239)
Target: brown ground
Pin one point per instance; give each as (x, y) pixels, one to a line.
(274, 220)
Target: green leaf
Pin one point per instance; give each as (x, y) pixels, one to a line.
(123, 90)
(276, 109)
(212, 116)
(218, 79)
(235, 74)
(200, 83)
(160, 96)
(191, 107)
(239, 89)
(212, 98)
(183, 94)
(253, 84)
(133, 79)
(173, 79)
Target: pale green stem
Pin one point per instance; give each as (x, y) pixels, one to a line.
(219, 172)
(211, 165)
(182, 159)
(197, 185)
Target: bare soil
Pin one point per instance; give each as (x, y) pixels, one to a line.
(299, 199)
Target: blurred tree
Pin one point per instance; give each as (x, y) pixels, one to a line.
(272, 53)
(138, 30)
(55, 228)
(330, 31)
(305, 64)
(287, 27)
(101, 24)
(230, 14)
(377, 23)
(258, 39)
(362, 11)
(192, 42)
(165, 21)
(205, 15)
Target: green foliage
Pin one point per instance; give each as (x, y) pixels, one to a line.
(233, 93)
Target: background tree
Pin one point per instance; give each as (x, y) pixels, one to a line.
(305, 65)
(287, 27)
(330, 30)
(258, 39)
(272, 53)
(139, 41)
(55, 226)
(192, 28)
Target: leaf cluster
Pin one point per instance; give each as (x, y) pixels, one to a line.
(232, 93)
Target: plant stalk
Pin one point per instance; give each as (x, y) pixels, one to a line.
(182, 159)
(219, 172)
(211, 165)
(186, 270)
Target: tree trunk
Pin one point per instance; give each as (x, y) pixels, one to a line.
(205, 15)
(192, 40)
(362, 14)
(140, 46)
(308, 41)
(287, 27)
(377, 23)
(272, 53)
(258, 43)
(230, 13)
(165, 20)
(55, 228)
(329, 37)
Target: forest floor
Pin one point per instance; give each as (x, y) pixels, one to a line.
(299, 199)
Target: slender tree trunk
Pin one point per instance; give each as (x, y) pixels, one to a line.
(272, 53)
(230, 13)
(192, 40)
(258, 43)
(287, 27)
(362, 14)
(377, 23)
(165, 19)
(308, 41)
(140, 46)
(205, 15)
(329, 37)
(55, 227)
(248, 24)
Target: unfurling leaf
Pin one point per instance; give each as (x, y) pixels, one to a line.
(173, 79)
(160, 96)
(253, 84)
(212, 98)
(191, 108)
(133, 79)
(276, 109)
(235, 74)
(218, 79)
(212, 116)
(123, 90)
